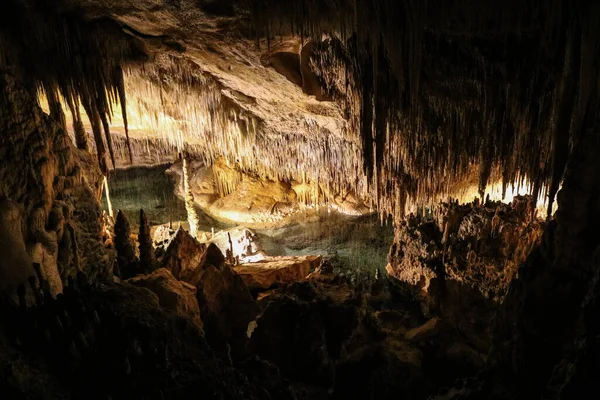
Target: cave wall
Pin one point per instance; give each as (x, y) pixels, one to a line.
(50, 210)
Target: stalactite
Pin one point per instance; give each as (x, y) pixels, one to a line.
(440, 92)
(106, 127)
(94, 118)
(189, 200)
(59, 51)
(562, 116)
(433, 96)
(227, 178)
(56, 111)
(120, 85)
(78, 128)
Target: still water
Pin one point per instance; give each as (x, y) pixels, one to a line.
(357, 243)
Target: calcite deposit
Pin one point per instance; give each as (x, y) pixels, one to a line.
(268, 108)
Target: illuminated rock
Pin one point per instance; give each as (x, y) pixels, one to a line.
(225, 302)
(461, 261)
(183, 255)
(271, 270)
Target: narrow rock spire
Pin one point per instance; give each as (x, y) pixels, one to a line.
(147, 259)
(189, 199)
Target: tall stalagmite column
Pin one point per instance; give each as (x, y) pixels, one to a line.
(147, 259)
(124, 246)
(108, 202)
(189, 200)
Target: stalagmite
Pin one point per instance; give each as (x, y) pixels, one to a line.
(124, 246)
(107, 194)
(147, 259)
(189, 200)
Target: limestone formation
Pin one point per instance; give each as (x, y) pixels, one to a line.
(225, 303)
(269, 271)
(361, 106)
(126, 259)
(183, 255)
(174, 295)
(189, 200)
(461, 262)
(146, 248)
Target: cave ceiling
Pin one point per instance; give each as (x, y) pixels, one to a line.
(401, 101)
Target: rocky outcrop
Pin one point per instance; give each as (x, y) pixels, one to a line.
(461, 261)
(276, 270)
(114, 340)
(58, 222)
(183, 256)
(229, 194)
(174, 295)
(225, 303)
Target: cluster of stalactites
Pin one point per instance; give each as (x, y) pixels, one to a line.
(227, 178)
(174, 100)
(69, 59)
(435, 91)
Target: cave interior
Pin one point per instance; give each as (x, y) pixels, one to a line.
(301, 199)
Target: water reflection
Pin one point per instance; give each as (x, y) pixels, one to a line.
(358, 243)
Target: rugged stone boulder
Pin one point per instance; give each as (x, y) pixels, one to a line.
(225, 302)
(126, 259)
(272, 270)
(183, 255)
(174, 295)
(226, 305)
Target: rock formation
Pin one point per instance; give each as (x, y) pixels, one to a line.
(376, 105)
(174, 295)
(126, 259)
(276, 270)
(461, 261)
(147, 258)
(226, 305)
(189, 200)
